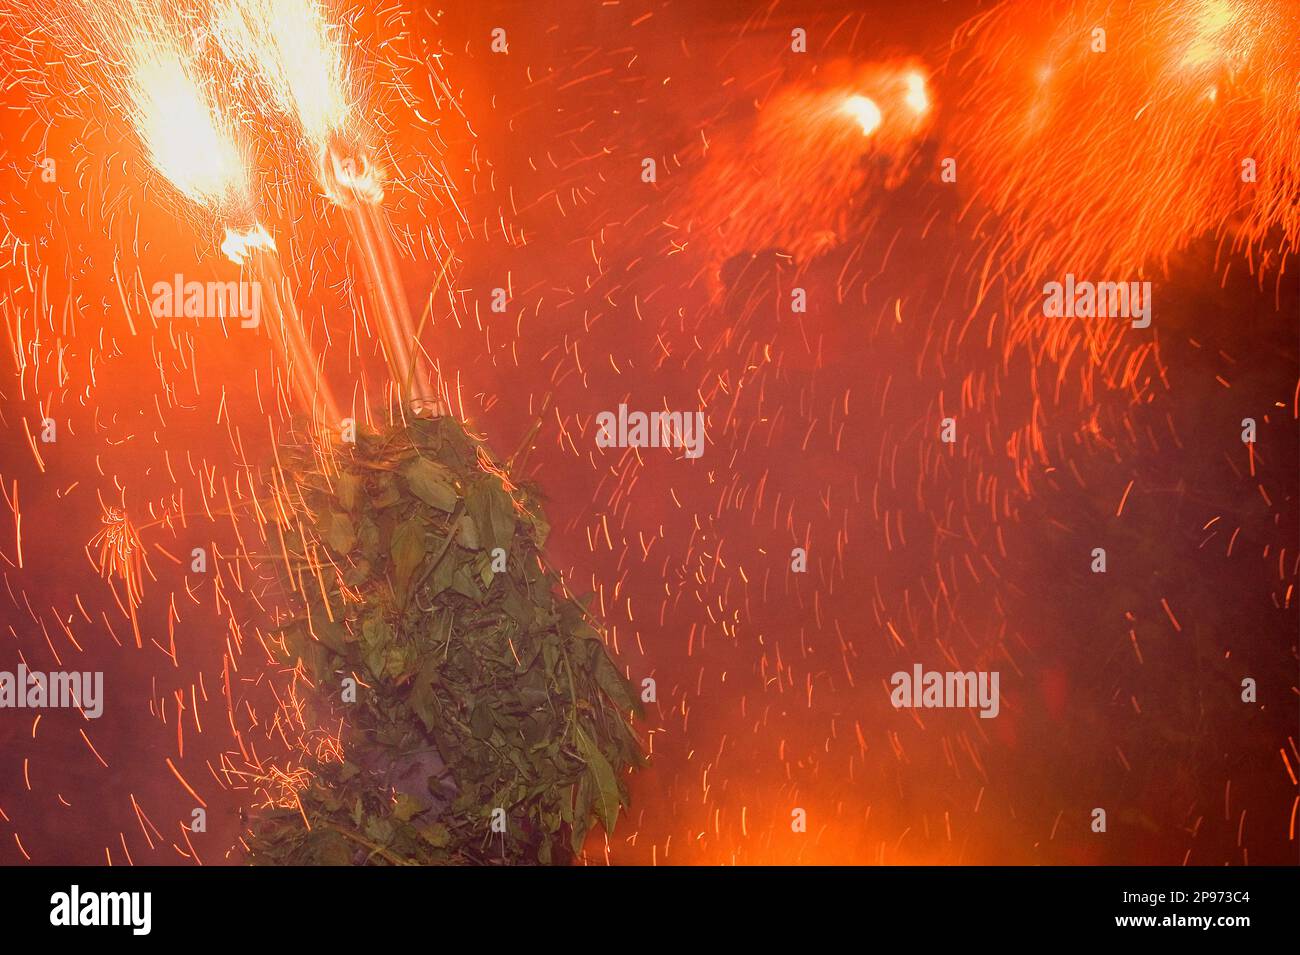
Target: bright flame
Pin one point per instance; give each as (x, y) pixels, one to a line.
(865, 111)
(185, 139)
(291, 44)
(1214, 38)
(239, 245)
(917, 97)
(347, 179)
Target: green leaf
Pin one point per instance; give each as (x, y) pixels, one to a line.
(609, 679)
(432, 483)
(406, 807)
(422, 698)
(541, 527)
(376, 634)
(503, 518)
(521, 610)
(481, 722)
(386, 492)
(582, 811)
(380, 830)
(347, 487)
(331, 633)
(467, 534)
(334, 850)
(602, 778)
(339, 532)
(443, 575)
(493, 512)
(408, 550)
(436, 835)
(464, 582)
(368, 538)
(358, 573)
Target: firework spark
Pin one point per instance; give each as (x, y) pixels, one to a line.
(795, 181)
(120, 553)
(183, 134)
(1053, 109)
(298, 53)
(197, 152)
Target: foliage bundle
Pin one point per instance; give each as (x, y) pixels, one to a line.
(484, 697)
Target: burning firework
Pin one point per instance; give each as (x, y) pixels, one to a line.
(795, 181)
(298, 54)
(189, 144)
(1108, 138)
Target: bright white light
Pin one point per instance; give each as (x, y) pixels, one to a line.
(865, 111)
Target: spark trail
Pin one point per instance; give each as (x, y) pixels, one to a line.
(1053, 112)
(297, 53)
(190, 145)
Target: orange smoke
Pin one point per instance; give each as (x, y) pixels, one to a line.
(790, 180)
(1108, 138)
